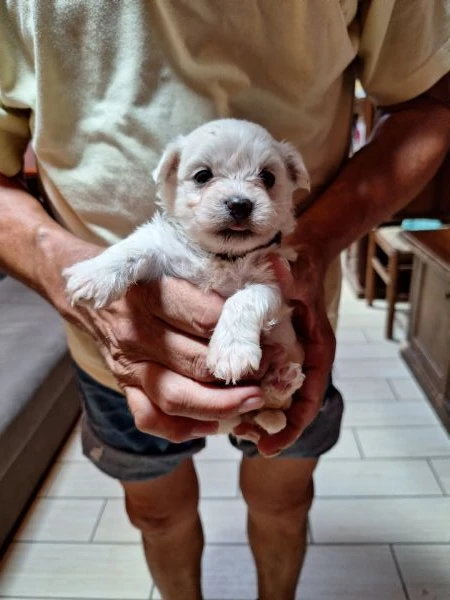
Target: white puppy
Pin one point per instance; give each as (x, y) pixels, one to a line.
(225, 192)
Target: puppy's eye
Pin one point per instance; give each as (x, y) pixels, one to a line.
(268, 178)
(203, 176)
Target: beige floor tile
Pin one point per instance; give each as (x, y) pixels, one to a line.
(350, 335)
(351, 304)
(379, 367)
(377, 334)
(365, 390)
(375, 478)
(56, 519)
(345, 448)
(228, 574)
(365, 351)
(381, 520)
(353, 307)
(356, 573)
(74, 571)
(79, 480)
(402, 442)
(407, 389)
(114, 525)
(218, 447)
(388, 414)
(72, 449)
(225, 521)
(441, 467)
(425, 570)
(218, 479)
(362, 319)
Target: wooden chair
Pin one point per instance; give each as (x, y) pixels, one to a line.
(399, 258)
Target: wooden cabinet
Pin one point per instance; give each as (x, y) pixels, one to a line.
(427, 350)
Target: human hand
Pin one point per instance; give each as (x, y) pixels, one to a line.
(154, 340)
(303, 287)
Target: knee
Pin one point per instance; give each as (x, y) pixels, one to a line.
(156, 518)
(282, 501)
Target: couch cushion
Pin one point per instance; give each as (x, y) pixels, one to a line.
(32, 344)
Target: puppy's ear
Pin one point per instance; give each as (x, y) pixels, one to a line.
(168, 164)
(295, 166)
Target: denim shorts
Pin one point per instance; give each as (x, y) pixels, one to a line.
(112, 442)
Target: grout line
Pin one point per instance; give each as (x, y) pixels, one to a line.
(364, 543)
(371, 378)
(378, 400)
(390, 427)
(356, 460)
(436, 476)
(97, 522)
(102, 497)
(310, 532)
(445, 543)
(399, 571)
(22, 597)
(364, 332)
(234, 498)
(84, 598)
(391, 401)
(395, 457)
(433, 496)
(121, 497)
(392, 388)
(74, 543)
(358, 442)
(386, 427)
(221, 460)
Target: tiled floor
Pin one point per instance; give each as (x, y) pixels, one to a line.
(379, 528)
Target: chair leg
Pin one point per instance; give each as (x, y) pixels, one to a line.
(391, 293)
(370, 271)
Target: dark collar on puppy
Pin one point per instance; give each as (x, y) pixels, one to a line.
(276, 240)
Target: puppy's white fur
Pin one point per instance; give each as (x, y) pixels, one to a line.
(194, 238)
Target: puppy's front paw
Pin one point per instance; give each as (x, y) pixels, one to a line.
(92, 281)
(231, 360)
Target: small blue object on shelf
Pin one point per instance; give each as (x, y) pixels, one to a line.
(421, 224)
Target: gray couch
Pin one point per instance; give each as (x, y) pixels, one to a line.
(38, 397)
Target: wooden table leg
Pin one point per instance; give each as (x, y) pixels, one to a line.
(370, 271)
(391, 293)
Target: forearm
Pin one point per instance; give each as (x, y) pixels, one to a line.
(33, 247)
(403, 155)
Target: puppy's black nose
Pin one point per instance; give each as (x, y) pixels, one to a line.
(240, 208)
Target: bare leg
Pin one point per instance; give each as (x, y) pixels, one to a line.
(279, 494)
(165, 511)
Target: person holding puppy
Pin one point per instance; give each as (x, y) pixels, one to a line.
(101, 88)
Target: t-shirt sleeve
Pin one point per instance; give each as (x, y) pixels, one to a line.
(14, 137)
(404, 47)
